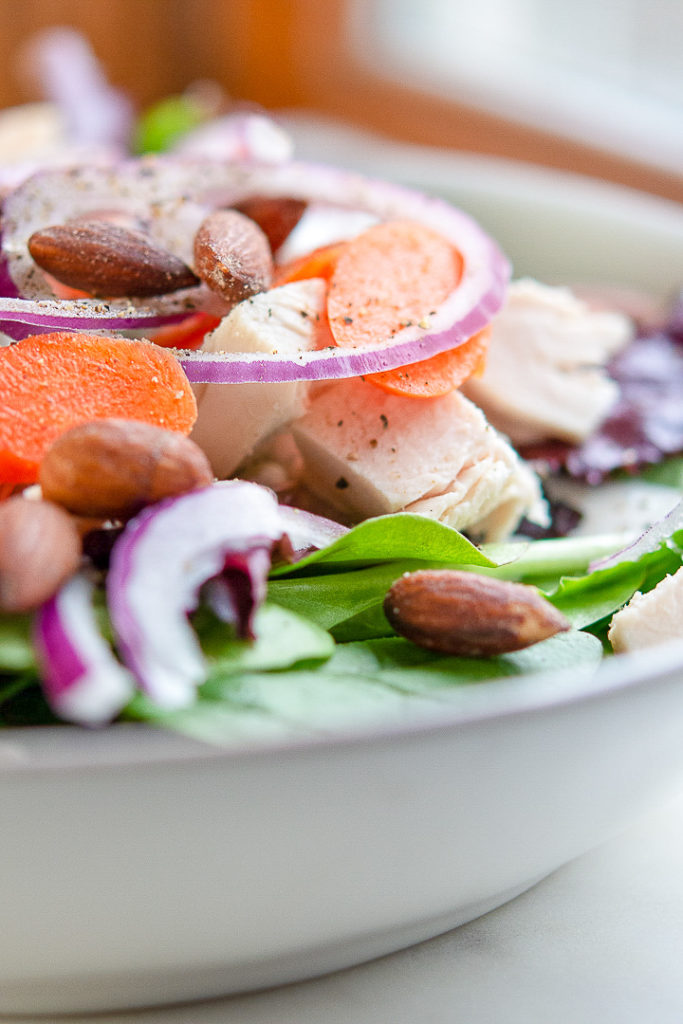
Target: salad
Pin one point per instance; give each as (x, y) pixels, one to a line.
(277, 438)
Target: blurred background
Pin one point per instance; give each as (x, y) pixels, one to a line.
(595, 86)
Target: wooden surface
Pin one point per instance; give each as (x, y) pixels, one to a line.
(286, 53)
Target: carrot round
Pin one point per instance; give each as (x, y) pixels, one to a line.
(188, 333)
(389, 277)
(51, 382)
(318, 263)
(438, 375)
(392, 276)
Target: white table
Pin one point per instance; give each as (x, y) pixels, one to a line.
(599, 942)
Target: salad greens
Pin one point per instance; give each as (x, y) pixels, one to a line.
(324, 653)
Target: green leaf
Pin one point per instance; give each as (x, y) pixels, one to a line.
(399, 537)
(331, 599)
(164, 123)
(667, 474)
(16, 649)
(399, 663)
(369, 683)
(529, 561)
(281, 639)
(587, 599)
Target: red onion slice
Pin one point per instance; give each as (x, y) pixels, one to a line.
(82, 680)
(22, 317)
(469, 309)
(177, 192)
(240, 589)
(157, 568)
(305, 532)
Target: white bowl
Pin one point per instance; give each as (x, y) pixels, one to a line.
(139, 867)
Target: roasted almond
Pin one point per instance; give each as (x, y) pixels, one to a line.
(467, 614)
(277, 216)
(39, 550)
(232, 255)
(112, 468)
(107, 260)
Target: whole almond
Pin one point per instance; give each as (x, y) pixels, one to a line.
(232, 255)
(112, 468)
(467, 614)
(39, 550)
(277, 216)
(107, 260)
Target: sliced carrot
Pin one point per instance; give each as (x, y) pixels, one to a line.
(438, 375)
(188, 333)
(64, 291)
(51, 382)
(392, 276)
(318, 263)
(389, 277)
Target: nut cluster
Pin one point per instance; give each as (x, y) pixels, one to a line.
(107, 470)
(99, 472)
(108, 254)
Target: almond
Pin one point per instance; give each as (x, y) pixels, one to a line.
(277, 216)
(107, 260)
(467, 614)
(112, 468)
(39, 550)
(232, 255)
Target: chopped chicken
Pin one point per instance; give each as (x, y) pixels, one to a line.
(369, 453)
(651, 618)
(545, 373)
(234, 418)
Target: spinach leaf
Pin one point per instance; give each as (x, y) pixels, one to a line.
(362, 683)
(281, 639)
(16, 649)
(668, 473)
(399, 537)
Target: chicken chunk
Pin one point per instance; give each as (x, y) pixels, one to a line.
(545, 373)
(651, 618)
(234, 418)
(368, 453)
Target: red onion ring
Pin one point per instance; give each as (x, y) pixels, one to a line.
(158, 566)
(82, 680)
(157, 184)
